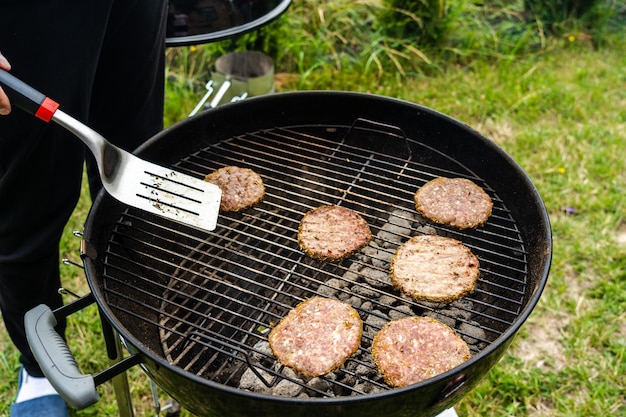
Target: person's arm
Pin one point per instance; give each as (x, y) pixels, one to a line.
(5, 105)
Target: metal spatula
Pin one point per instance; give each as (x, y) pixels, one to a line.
(127, 178)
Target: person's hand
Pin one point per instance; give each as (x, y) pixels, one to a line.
(5, 105)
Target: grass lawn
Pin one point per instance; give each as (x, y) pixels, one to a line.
(560, 112)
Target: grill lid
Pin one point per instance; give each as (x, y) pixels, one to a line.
(203, 21)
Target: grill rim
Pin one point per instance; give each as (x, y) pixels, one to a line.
(153, 147)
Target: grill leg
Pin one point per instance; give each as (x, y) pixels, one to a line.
(120, 381)
(120, 385)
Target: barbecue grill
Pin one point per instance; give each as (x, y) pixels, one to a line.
(195, 307)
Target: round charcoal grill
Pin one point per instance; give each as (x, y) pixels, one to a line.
(197, 306)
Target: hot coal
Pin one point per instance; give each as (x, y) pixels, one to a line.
(365, 285)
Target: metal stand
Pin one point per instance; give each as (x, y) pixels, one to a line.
(120, 382)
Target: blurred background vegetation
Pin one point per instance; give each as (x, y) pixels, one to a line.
(357, 44)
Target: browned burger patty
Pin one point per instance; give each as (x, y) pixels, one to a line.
(241, 187)
(332, 233)
(413, 349)
(457, 202)
(317, 336)
(434, 268)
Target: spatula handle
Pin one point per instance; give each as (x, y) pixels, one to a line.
(35, 103)
(27, 98)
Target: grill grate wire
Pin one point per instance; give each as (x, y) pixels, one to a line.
(211, 298)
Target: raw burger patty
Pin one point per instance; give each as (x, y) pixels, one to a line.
(413, 349)
(332, 233)
(434, 268)
(317, 336)
(241, 187)
(457, 202)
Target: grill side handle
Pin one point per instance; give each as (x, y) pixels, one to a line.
(56, 360)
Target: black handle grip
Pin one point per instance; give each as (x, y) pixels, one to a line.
(21, 94)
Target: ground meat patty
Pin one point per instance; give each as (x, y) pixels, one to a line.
(412, 349)
(241, 187)
(457, 202)
(317, 336)
(332, 233)
(434, 268)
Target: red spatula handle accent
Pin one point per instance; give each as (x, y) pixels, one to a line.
(46, 109)
(27, 98)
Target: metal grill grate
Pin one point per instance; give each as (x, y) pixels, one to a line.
(211, 298)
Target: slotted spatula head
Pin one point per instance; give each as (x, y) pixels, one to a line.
(147, 186)
(127, 178)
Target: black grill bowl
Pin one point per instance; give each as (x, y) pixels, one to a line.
(366, 152)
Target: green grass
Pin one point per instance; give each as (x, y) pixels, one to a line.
(556, 105)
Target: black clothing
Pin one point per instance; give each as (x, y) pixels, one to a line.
(103, 62)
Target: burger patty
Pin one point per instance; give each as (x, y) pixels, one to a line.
(434, 268)
(457, 202)
(317, 336)
(413, 349)
(241, 187)
(332, 233)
